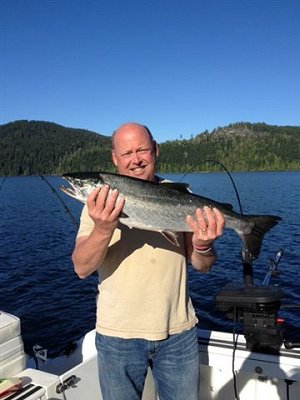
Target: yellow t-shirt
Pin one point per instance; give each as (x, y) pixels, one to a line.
(142, 291)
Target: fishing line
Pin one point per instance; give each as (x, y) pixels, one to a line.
(235, 335)
(288, 383)
(2, 183)
(67, 209)
(228, 173)
(235, 342)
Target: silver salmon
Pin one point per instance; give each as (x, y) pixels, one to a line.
(163, 207)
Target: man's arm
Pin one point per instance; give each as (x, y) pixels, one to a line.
(104, 210)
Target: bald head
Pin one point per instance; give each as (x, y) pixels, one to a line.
(131, 126)
(134, 151)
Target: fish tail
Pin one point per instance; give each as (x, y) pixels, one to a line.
(261, 225)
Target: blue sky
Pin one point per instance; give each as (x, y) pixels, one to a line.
(180, 67)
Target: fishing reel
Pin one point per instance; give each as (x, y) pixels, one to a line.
(255, 307)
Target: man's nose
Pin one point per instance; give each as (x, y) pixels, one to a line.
(136, 157)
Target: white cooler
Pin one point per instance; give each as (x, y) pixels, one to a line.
(12, 356)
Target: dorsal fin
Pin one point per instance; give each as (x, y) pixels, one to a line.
(180, 186)
(228, 206)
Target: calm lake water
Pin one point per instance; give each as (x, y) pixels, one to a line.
(38, 284)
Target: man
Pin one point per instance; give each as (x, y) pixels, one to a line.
(144, 313)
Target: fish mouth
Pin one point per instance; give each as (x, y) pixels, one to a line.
(70, 190)
(79, 188)
(67, 190)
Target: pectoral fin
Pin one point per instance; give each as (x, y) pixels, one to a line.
(171, 237)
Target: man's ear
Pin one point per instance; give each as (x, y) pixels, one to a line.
(114, 158)
(156, 149)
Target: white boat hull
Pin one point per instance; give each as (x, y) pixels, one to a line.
(258, 375)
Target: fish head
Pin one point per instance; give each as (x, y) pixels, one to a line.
(81, 184)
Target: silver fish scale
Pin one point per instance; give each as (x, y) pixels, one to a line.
(156, 207)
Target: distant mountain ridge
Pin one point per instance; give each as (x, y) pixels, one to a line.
(39, 147)
(240, 146)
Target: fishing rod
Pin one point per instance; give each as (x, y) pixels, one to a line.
(248, 303)
(247, 258)
(67, 209)
(255, 307)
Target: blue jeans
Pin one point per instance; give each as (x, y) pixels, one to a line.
(123, 364)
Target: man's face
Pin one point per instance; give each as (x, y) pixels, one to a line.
(134, 153)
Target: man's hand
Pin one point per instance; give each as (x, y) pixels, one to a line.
(104, 207)
(207, 226)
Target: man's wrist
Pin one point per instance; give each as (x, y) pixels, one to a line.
(204, 249)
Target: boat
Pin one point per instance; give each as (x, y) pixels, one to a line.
(229, 369)
(255, 365)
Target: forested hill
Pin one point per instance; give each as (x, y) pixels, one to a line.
(36, 147)
(240, 147)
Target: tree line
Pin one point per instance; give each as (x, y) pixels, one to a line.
(45, 148)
